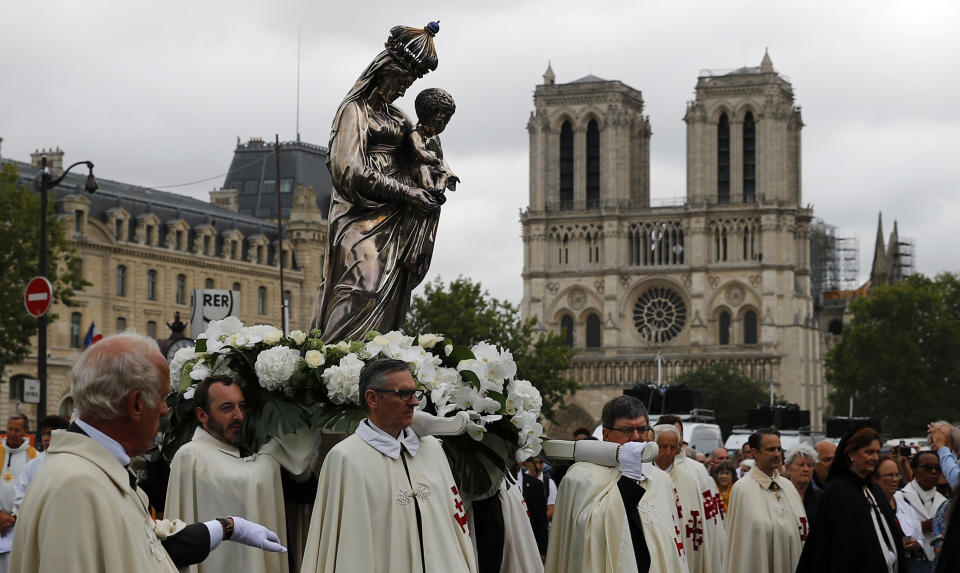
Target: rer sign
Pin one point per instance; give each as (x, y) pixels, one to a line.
(38, 296)
(212, 304)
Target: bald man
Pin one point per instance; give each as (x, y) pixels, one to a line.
(825, 451)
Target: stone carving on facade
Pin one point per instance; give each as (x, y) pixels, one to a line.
(713, 281)
(687, 280)
(625, 280)
(553, 287)
(599, 285)
(735, 294)
(756, 281)
(577, 299)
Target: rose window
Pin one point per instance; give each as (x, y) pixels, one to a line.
(659, 314)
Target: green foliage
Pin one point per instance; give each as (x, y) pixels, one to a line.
(727, 392)
(464, 312)
(900, 355)
(19, 259)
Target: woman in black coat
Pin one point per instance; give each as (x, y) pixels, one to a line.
(855, 528)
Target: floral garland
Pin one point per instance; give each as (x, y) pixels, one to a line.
(296, 381)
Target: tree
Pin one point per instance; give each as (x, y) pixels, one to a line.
(727, 392)
(900, 356)
(468, 314)
(19, 262)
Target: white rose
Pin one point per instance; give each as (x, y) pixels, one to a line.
(273, 337)
(314, 358)
(188, 394)
(428, 340)
(275, 366)
(448, 349)
(298, 336)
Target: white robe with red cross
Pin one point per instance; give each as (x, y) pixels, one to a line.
(701, 515)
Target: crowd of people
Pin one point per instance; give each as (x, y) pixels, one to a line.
(385, 498)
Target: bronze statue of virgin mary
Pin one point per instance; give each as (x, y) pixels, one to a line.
(382, 222)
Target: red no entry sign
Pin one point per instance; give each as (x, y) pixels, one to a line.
(38, 296)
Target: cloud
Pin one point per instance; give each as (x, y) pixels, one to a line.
(156, 93)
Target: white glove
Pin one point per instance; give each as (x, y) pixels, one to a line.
(255, 535)
(632, 456)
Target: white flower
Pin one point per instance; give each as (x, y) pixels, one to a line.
(275, 366)
(217, 330)
(182, 356)
(273, 337)
(428, 340)
(500, 362)
(203, 368)
(475, 431)
(343, 380)
(448, 349)
(189, 392)
(393, 343)
(522, 395)
(371, 350)
(298, 336)
(314, 358)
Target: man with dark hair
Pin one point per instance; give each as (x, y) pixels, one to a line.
(46, 427)
(605, 510)
(387, 500)
(15, 453)
(208, 476)
(581, 434)
(766, 522)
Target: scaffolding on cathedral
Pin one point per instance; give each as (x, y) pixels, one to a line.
(834, 261)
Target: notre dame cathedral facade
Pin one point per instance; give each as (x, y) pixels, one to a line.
(723, 275)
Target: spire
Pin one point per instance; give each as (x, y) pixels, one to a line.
(878, 273)
(549, 77)
(766, 64)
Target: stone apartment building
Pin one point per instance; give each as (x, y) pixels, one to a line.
(723, 275)
(145, 251)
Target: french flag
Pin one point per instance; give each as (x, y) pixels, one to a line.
(93, 335)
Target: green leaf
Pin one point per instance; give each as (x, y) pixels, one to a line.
(201, 345)
(280, 416)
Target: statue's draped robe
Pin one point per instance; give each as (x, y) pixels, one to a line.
(379, 245)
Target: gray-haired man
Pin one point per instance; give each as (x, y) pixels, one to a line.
(387, 500)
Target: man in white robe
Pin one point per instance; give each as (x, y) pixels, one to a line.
(386, 500)
(766, 522)
(612, 521)
(84, 512)
(703, 553)
(705, 532)
(917, 503)
(15, 453)
(209, 477)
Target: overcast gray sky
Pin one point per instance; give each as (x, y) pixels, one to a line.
(156, 93)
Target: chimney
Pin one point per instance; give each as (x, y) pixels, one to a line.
(54, 159)
(1, 147)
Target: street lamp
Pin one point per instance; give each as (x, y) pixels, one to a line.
(44, 182)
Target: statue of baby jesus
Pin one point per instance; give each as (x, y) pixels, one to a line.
(434, 108)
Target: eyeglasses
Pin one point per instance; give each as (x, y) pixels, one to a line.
(404, 395)
(931, 468)
(631, 429)
(888, 476)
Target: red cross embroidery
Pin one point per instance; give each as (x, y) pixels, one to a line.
(694, 529)
(710, 506)
(676, 499)
(678, 540)
(718, 502)
(459, 514)
(804, 528)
